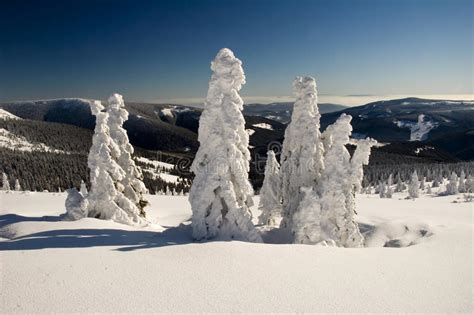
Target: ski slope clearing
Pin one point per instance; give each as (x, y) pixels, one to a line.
(91, 265)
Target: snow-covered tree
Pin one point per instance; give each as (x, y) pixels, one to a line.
(17, 185)
(221, 194)
(122, 150)
(389, 191)
(338, 188)
(106, 199)
(83, 189)
(429, 176)
(5, 182)
(306, 226)
(422, 184)
(428, 191)
(414, 186)
(462, 182)
(270, 194)
(302, 152)
(359, 159)
(382, 189)
(452, 185)
(470, 184)
(400, 185)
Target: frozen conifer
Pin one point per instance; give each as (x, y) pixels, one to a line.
(414, 187)
(5, 182)
(221, 194)
(302, 152)
(270, 194)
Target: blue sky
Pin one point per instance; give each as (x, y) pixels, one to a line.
(160, 50)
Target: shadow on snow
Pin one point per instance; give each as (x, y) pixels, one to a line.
(125, 240)
(83, 238)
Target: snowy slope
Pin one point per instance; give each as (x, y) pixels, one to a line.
(7, 115)
(418, 130)
(11, 141)
(159, 169)
(99, 266)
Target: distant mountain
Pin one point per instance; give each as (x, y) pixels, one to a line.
(444, 124)
(281, 112)
(171, 128)
(46, 142)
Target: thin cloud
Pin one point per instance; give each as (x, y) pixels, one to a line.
(347, 100)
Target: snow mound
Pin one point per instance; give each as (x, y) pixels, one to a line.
(398, 234)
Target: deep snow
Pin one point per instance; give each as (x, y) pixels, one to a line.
(100, 266)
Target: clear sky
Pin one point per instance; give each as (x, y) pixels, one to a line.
(159, 50)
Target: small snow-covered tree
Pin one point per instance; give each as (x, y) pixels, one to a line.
(5, 182)
(400, 186)
(83, 189)
(221, 194)
(17, 185)
(359, 159)
(462, 182)
(428, 191)
(337, 188)
(270, 194)
(470, 184)
(452, 185)
(302, 152)
(429, 176)
(105, 199)
(122, 150)
(389, 191)
(382, 189)
(414, 186)
(306, 226)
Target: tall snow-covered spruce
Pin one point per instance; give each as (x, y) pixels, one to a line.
(319, 178)
(106, 198)
(221, 194)
(270, 194)
(302, 152)
(132, 185)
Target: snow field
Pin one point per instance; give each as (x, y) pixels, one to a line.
(95, 265)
